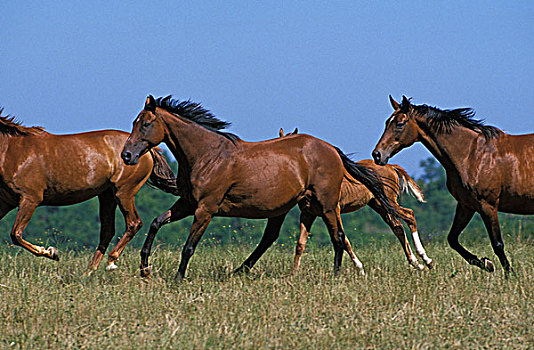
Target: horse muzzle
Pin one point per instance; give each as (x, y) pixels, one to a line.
(129, 158)
(379, 157)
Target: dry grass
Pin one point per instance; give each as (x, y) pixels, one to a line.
(51, 305)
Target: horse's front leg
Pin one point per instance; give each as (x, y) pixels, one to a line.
(178, 211)
(203, 216)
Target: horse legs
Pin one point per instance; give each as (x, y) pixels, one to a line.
(337, 236)
(491, 221)
(133, 225)
(348, 248)
(178, 211)
(107, 206)
(271, 233)
(24, 214)
(202, 219)
(306, 222)
(461, 218)
(412, 224)
(398, 230)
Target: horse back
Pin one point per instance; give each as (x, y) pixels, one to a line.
(273, 175)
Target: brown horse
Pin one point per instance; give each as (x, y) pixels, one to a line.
(222, 175)
(355, 196)
(38, 168)
(487, 170)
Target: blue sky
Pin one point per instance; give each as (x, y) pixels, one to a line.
(324, 67)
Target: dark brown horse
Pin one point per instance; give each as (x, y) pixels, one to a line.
(487, 170)
(222, 175)
(355, 196)
(38, 168)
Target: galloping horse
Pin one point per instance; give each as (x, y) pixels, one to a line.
(355, 196)
(222, 175)
(38, 168)
(487, 170)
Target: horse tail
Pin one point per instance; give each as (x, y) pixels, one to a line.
(162, 176)
(370, 179)
(407, 184)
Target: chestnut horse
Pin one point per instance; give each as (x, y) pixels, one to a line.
(38, 168)
(355, 196)
(487, 170)
(222, 175)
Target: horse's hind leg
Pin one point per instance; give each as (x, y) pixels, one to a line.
(107, 207)
(398, 230)
(348, 248)
(133, 225)
(306, 222)
(412, 224)
(271, 233)
(26, 209)
(337, 236)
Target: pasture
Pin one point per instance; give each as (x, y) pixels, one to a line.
(44, 304)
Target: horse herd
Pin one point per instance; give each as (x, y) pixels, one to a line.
(221, 175)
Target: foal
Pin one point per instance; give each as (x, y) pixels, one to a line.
(355, 196)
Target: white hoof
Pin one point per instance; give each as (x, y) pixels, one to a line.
(112, 266)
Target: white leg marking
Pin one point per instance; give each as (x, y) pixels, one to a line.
(419, 248)
(358, 264)
(111, 266)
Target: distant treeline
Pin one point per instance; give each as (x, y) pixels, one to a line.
(77, 226)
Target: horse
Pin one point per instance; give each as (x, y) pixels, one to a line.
(355, 196)
(39, 168)
(220, 174)
(488, 171)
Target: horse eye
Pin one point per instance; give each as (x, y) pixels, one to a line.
(145, 124)
(401, 124)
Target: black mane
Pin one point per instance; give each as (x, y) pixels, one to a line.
(11, 127)
(195, 112)
(443, 121)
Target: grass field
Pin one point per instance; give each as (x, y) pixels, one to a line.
(44, 304)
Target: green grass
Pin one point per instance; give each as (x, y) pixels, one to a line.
(44, 304)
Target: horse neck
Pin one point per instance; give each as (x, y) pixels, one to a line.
(450, 149)
(190, 142)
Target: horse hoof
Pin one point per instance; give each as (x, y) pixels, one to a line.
(111, 266)
(488, 265)
(53, 253)
(430, 264)
(241, 270)
(145, 271)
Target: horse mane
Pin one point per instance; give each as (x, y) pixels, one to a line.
(443, 121)
(196, 113)
(11, 127)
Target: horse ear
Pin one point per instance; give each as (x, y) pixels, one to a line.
(150, 104)
(394, 103)
(281, 132)
(405, 104)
